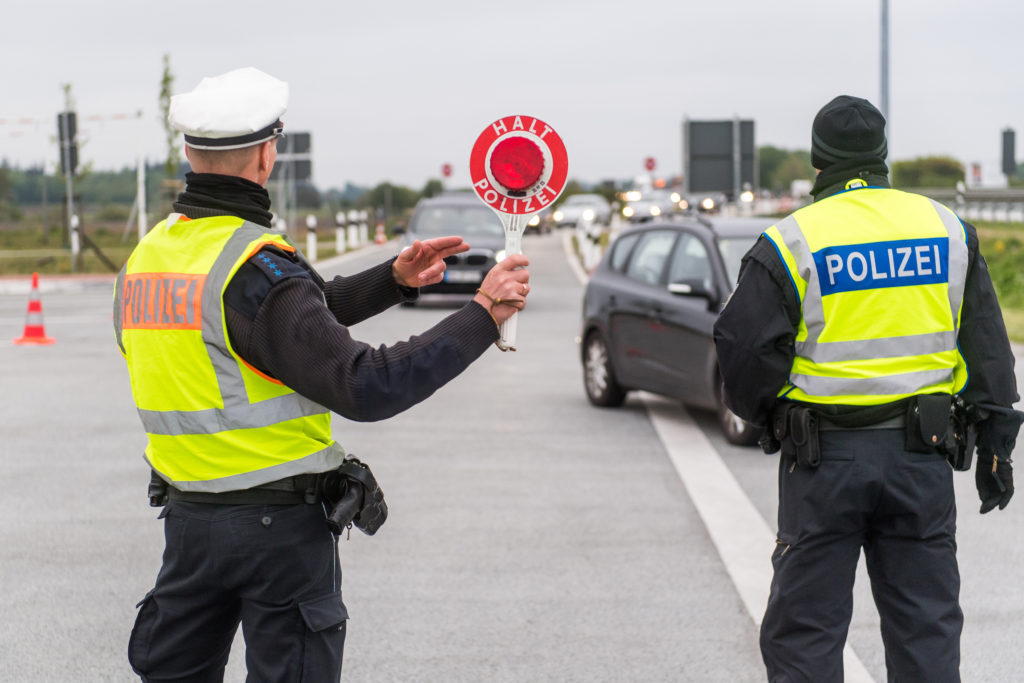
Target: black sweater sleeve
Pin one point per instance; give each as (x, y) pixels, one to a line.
(985, 346)
(282, 325)
(355, 298)
(754, 334)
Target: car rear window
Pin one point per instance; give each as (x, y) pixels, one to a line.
(648, 260)
(733, 249)
(621, 249)
(690, 261)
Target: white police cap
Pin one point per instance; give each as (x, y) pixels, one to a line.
(238, 109)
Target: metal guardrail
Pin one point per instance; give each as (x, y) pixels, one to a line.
(1002, 205)
(997, 205)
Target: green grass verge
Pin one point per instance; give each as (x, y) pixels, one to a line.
(1002, 245)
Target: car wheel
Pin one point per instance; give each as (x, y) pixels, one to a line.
(737, 431)
(598, 378)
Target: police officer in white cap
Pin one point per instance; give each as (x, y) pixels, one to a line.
(238, 354)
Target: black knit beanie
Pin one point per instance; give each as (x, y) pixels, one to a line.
(847, 128)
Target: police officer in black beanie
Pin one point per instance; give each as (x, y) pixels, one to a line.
(848, 339)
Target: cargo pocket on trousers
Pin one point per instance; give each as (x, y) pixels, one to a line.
(326, 619)
(142, 634)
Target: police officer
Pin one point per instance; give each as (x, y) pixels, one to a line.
(238, 352)
(854, 322)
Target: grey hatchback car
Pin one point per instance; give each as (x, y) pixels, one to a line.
(465, 215)
(649, 309)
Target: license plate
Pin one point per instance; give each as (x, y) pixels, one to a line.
(462, 276)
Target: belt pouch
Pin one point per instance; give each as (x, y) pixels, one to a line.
(803, 432)
(928, 420)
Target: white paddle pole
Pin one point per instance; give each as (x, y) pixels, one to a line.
(513, 224)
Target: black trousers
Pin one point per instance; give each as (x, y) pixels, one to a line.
(272, 568)
(899, 507)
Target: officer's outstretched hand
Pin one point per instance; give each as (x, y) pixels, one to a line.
(504, 290)
(994, 478)
(422, 263)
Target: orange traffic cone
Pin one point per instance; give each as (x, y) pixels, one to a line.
(379, 237)
(34, 332)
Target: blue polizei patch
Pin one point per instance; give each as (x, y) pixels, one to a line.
(899, 263)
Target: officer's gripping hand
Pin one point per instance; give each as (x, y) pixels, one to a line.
(504, 289)
(994, 478)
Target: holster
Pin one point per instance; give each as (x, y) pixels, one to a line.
(800, 424)
(157, 492)
(353, 497)
(942, 423)
(928, 418)
(963, 435)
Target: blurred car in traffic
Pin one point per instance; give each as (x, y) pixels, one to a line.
(707, 202)
(589, 207)
(649, 205)
(461, 214)
(540, 223)
(649, 308)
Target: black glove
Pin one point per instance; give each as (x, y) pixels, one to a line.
(768, 443)
(994, 479)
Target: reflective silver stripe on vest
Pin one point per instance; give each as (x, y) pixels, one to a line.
(322, 461)
(119, 306)
(214, 420)
(238, 412)
(890, 347)
(229, 376)
(888, 385)
(813, 312)
(957, 260)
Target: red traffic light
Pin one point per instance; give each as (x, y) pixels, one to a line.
(649, 163)
(517, 163)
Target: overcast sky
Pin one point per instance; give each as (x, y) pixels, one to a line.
(391, 90)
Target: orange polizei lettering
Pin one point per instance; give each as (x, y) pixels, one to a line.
(162, 301)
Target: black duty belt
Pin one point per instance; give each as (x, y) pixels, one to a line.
(827, 424)
(884, 416)
(301, 488)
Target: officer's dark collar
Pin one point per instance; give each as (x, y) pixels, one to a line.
(212, 194)
(834, 179)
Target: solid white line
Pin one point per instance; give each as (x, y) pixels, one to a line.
(743, 539)
(571, 258)
(739, 533)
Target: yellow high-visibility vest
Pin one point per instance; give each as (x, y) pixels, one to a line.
(880, 277)
(214, 422)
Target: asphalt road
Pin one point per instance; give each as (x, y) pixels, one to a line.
(531, 536)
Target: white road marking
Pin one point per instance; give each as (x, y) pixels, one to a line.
(743, 539)
(570, 256)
